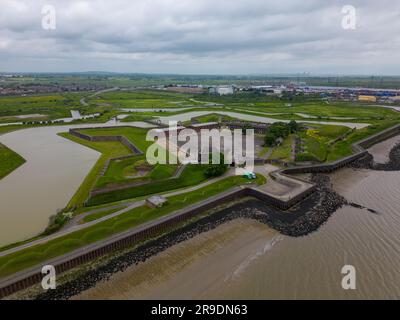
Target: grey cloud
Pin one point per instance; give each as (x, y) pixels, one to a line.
(206, 36)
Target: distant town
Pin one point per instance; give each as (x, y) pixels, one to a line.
(354, 90)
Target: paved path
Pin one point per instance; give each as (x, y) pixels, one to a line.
(75, 226)
(77, 219)
(83, 100)
(272, 187)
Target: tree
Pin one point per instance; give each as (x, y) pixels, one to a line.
(293, 126)
(216, 170)
(279, 130)
(270, 139)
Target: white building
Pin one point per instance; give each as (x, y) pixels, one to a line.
(225, 90)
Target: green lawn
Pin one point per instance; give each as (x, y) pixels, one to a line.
(40, 253)
(124, 171)
(314, 149)
(192, 175)
(214, 117)
(98, 215)
(9, 161)
(136, 135)
(343, 148)
(11, 128)
(53, 106)
(108, 150)
(143, 99)
(284, 151)
(264, 151)
(117, 170)
(326, 111)
(317, 142)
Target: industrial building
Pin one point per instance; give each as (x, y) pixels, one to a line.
(367, 98)
(222, 90)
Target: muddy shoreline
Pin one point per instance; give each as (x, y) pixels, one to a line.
(368, 162)
(302, 219)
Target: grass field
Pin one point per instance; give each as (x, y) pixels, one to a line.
(9, 161)
(192, 175)
(317, 141)
(343, 148)
(37, 254)
(323, 143)
(118, 172)
(284, 151)
(98, 215)
(142, 99)
(136, 135)
(108, 150)
(53, 106)
(124, 171)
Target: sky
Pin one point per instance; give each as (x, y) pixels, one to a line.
(201, 36)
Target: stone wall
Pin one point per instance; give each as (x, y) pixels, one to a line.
(122, 139)
(135, 151)
(130, 238)
(359, 149)
(133, 237)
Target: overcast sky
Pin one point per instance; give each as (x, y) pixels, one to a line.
(201, 36)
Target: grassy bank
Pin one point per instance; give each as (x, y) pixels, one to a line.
(344, 148)
(108, 150)
(192, 175)
(9, 161)
(40, 253)
(118, 172)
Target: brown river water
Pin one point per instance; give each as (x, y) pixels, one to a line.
(244, 259)
(54, 169)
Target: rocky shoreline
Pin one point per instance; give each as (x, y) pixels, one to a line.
(302, 219)
(367, 162)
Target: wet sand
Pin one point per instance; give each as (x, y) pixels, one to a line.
(195, 268)
(380, 151)
(254, 262)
